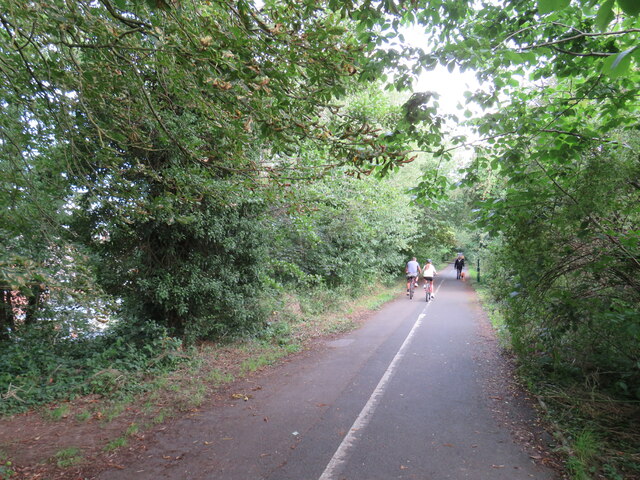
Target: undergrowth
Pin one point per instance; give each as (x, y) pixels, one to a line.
(598, 433)
(54, 368)
(491, 307)
(6, 466)
(132, 360)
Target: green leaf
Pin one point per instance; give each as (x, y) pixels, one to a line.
(161, 4)
(548, 6)
(621, 56)
(618, 65)
(605, 15)
(515, 58)
(630, 7)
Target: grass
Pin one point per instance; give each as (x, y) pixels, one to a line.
(67, 457)
(193, 396)
(198, 398)
(159, 418)
(492, 309)
(160, 382)
(117, 408)
(218, 377)
(57, 413)
(585, 451)
(377, 301)
(330, 314)
(599, 434)
(83, 416)
(132, 430)
(116, 443)
(341, 325)
(266, 355)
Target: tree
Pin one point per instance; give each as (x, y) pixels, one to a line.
(341, 232)
(150, 123)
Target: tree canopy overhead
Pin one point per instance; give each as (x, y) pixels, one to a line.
(202, 82)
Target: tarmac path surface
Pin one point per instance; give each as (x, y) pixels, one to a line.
(418, 392)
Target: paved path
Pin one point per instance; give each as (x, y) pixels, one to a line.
(413, 394)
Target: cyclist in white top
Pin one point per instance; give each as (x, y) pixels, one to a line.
(428, 272)
(412, 270)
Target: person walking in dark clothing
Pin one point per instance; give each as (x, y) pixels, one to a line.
(459, 265)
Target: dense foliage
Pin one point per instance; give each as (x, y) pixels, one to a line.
(44, 366)
(349, 233)
(150, 135)
(566, 268)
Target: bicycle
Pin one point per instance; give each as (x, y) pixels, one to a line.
(412, 284)
(428, 286)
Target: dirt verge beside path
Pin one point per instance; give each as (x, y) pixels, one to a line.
(512, 405)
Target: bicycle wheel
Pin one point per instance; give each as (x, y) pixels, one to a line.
(411, 291)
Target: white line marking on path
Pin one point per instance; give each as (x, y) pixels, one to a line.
(341, 454)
